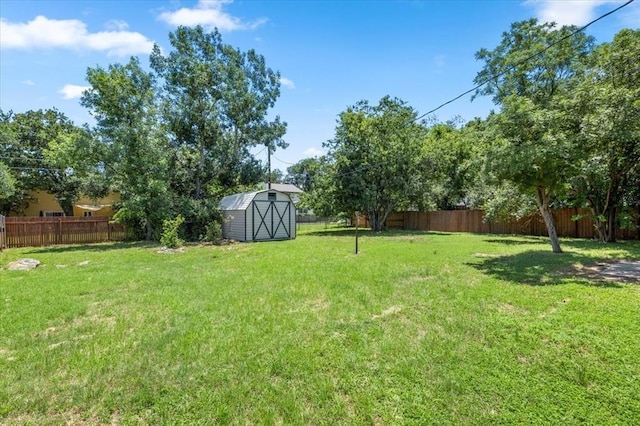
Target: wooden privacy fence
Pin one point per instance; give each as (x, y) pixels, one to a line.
(473, 221)
(45, 231)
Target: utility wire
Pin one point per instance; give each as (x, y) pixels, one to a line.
(284, 162)
(485, 81)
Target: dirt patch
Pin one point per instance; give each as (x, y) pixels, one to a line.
(389, 311)
(166, 250)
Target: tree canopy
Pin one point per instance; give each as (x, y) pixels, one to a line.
(376, 153)
(534, 136)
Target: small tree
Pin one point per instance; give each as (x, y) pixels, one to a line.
(171, 232)
(376, 158)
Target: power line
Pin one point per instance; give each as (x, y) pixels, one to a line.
(524, 60)
(284, 162)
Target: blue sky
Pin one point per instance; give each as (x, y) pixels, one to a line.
(331, 54)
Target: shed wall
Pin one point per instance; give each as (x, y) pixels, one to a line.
(234, 225)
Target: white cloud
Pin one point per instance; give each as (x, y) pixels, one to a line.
(576, 12)
(43, 32)
(29, 82)
(116, 25)
(209, 13)
(313, 152)
(287, 83)
(72, 91)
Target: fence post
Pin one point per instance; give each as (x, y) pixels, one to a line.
(3, 233)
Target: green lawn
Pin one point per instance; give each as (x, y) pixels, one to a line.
(419, 328)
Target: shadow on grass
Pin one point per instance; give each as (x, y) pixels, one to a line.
(514, 240)
(367, 232)
(543, 268)
(627, 248)
(91, 247)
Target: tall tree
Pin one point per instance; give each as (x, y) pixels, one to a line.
(7, 183)
(320, 194)
(27, 146)
(608, 100)
(303, 174)
(216, 102)
(533, 146)
(376, 154)
(447, 155)
(122, 99)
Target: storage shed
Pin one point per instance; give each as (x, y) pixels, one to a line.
(258, 216)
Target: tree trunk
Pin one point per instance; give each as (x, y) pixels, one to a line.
(67, 207)
(543, 205)
(611, 225)
(149, 232)
(598, 224)
(374, 221)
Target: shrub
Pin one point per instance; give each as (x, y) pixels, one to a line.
(170, 236)
(213, 232)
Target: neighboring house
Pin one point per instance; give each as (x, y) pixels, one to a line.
(288, 188)
(44, 204)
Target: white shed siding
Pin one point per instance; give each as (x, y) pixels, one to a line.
(233, 226)
(259, 216)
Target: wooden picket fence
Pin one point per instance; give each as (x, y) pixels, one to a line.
(46, 231)
(473, 221)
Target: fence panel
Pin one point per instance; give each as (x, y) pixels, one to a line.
(473, 221)
(45, 231)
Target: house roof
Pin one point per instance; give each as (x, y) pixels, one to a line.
(287, 188)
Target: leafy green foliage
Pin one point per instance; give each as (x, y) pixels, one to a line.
(31, 144)
(446, 156)
(7, 182)
(607, 100)
(304, 173)
(215, 105)
(533, 146)
(376, 159)
(171, 232)
(213, 232)
(133, 146)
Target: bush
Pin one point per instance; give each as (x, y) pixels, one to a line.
(213, 232)
(170, 236)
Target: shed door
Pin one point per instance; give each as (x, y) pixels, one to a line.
(271, 220)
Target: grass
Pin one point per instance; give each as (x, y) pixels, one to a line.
(419, 328)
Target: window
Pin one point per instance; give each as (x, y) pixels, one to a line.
(271, 196)
(87, 214)
(53, 214)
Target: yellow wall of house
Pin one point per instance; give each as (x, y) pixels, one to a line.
(42, 201)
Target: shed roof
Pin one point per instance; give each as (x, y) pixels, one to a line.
(242, 200)
(239, 201)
